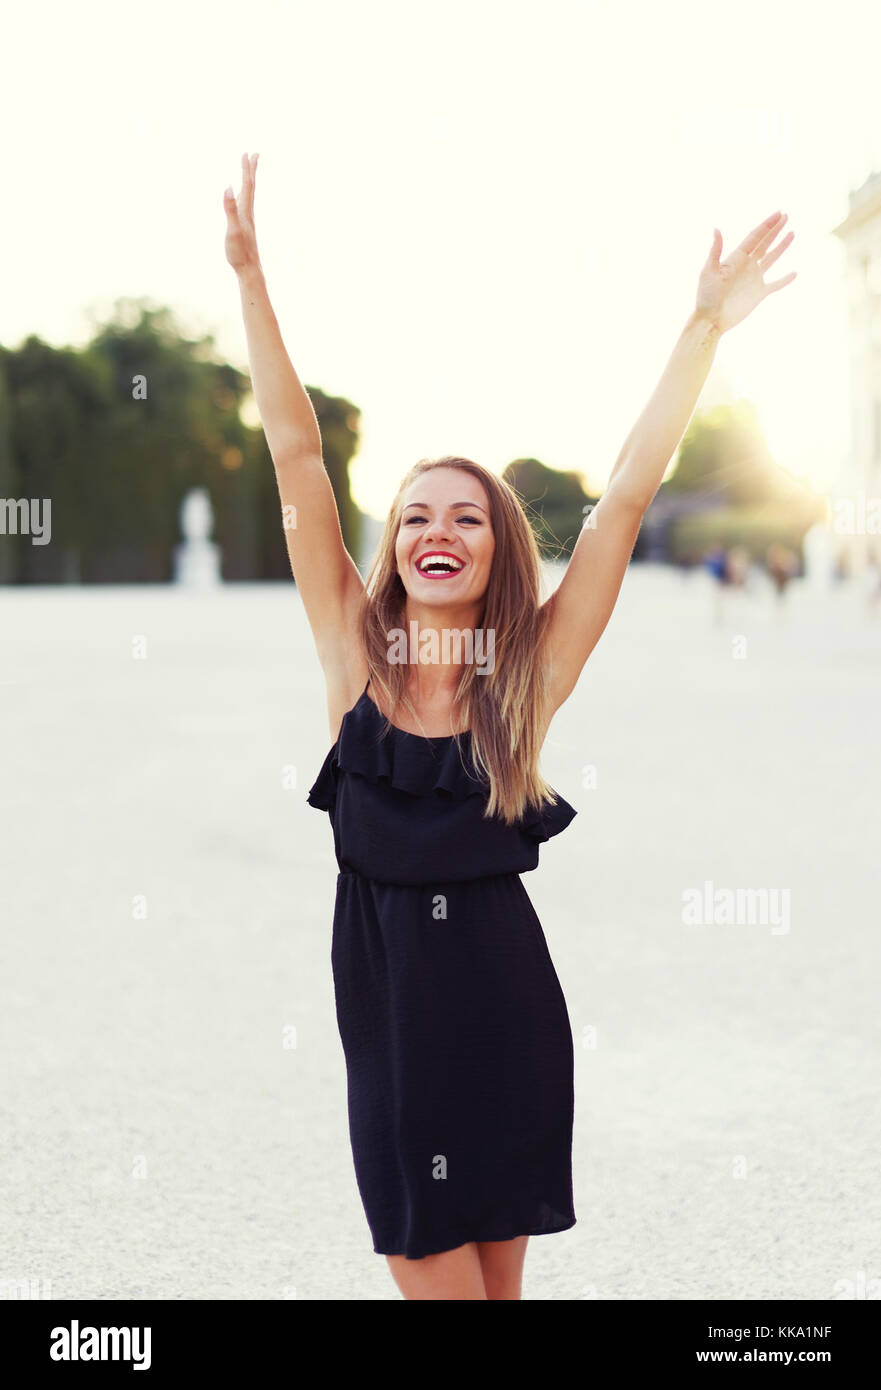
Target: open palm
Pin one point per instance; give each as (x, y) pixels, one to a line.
(730, 290)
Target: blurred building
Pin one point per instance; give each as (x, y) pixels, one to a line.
(860, 233)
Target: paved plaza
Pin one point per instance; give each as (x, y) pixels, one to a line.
(174, 1100)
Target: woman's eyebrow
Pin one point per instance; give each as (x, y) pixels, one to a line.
(424, 505)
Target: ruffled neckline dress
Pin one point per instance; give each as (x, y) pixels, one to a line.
(429, 770)
(454, 1028)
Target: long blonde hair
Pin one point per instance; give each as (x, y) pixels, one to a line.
(504, 709)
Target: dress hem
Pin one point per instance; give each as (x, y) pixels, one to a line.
(467, 1240)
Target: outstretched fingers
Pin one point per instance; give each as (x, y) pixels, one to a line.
(249, 170)
(761, 235)
(769, 237)
(765, 262)
(231, 206)
(778, 284)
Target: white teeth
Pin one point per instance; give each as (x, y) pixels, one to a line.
(441, 565)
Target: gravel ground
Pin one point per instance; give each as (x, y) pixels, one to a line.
(174, 1107)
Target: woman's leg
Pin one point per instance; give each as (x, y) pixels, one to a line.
(453, 1274)
(502, 1265)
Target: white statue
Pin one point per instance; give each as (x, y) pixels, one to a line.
(197, 559)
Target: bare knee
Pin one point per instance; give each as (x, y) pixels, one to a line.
(452, 1274)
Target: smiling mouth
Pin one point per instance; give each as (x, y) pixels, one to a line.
(439, 566)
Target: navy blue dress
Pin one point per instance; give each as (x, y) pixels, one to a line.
(454, 1027)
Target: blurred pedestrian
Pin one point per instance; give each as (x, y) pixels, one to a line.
(782, 565)
(716, 562)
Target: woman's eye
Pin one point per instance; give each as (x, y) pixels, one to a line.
(420, 520)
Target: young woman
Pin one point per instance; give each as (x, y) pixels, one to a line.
(454, 1028)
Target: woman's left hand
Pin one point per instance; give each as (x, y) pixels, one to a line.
(727, 292)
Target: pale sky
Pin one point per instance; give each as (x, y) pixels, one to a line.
(483, 223)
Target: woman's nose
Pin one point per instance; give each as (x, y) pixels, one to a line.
(437, 533)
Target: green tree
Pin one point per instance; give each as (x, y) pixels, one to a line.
(10, 545)
(724, 455)
(116, 434)
(59, 400)
(727, 489)
(555, 502)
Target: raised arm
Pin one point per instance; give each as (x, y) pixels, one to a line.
(326, 575)
(581, 606)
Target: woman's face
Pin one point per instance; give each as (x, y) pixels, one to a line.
(445, 541)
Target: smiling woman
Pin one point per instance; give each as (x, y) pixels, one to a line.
(454, 1027)
(458, 553)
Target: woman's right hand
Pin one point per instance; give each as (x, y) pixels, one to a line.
(241, 239)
